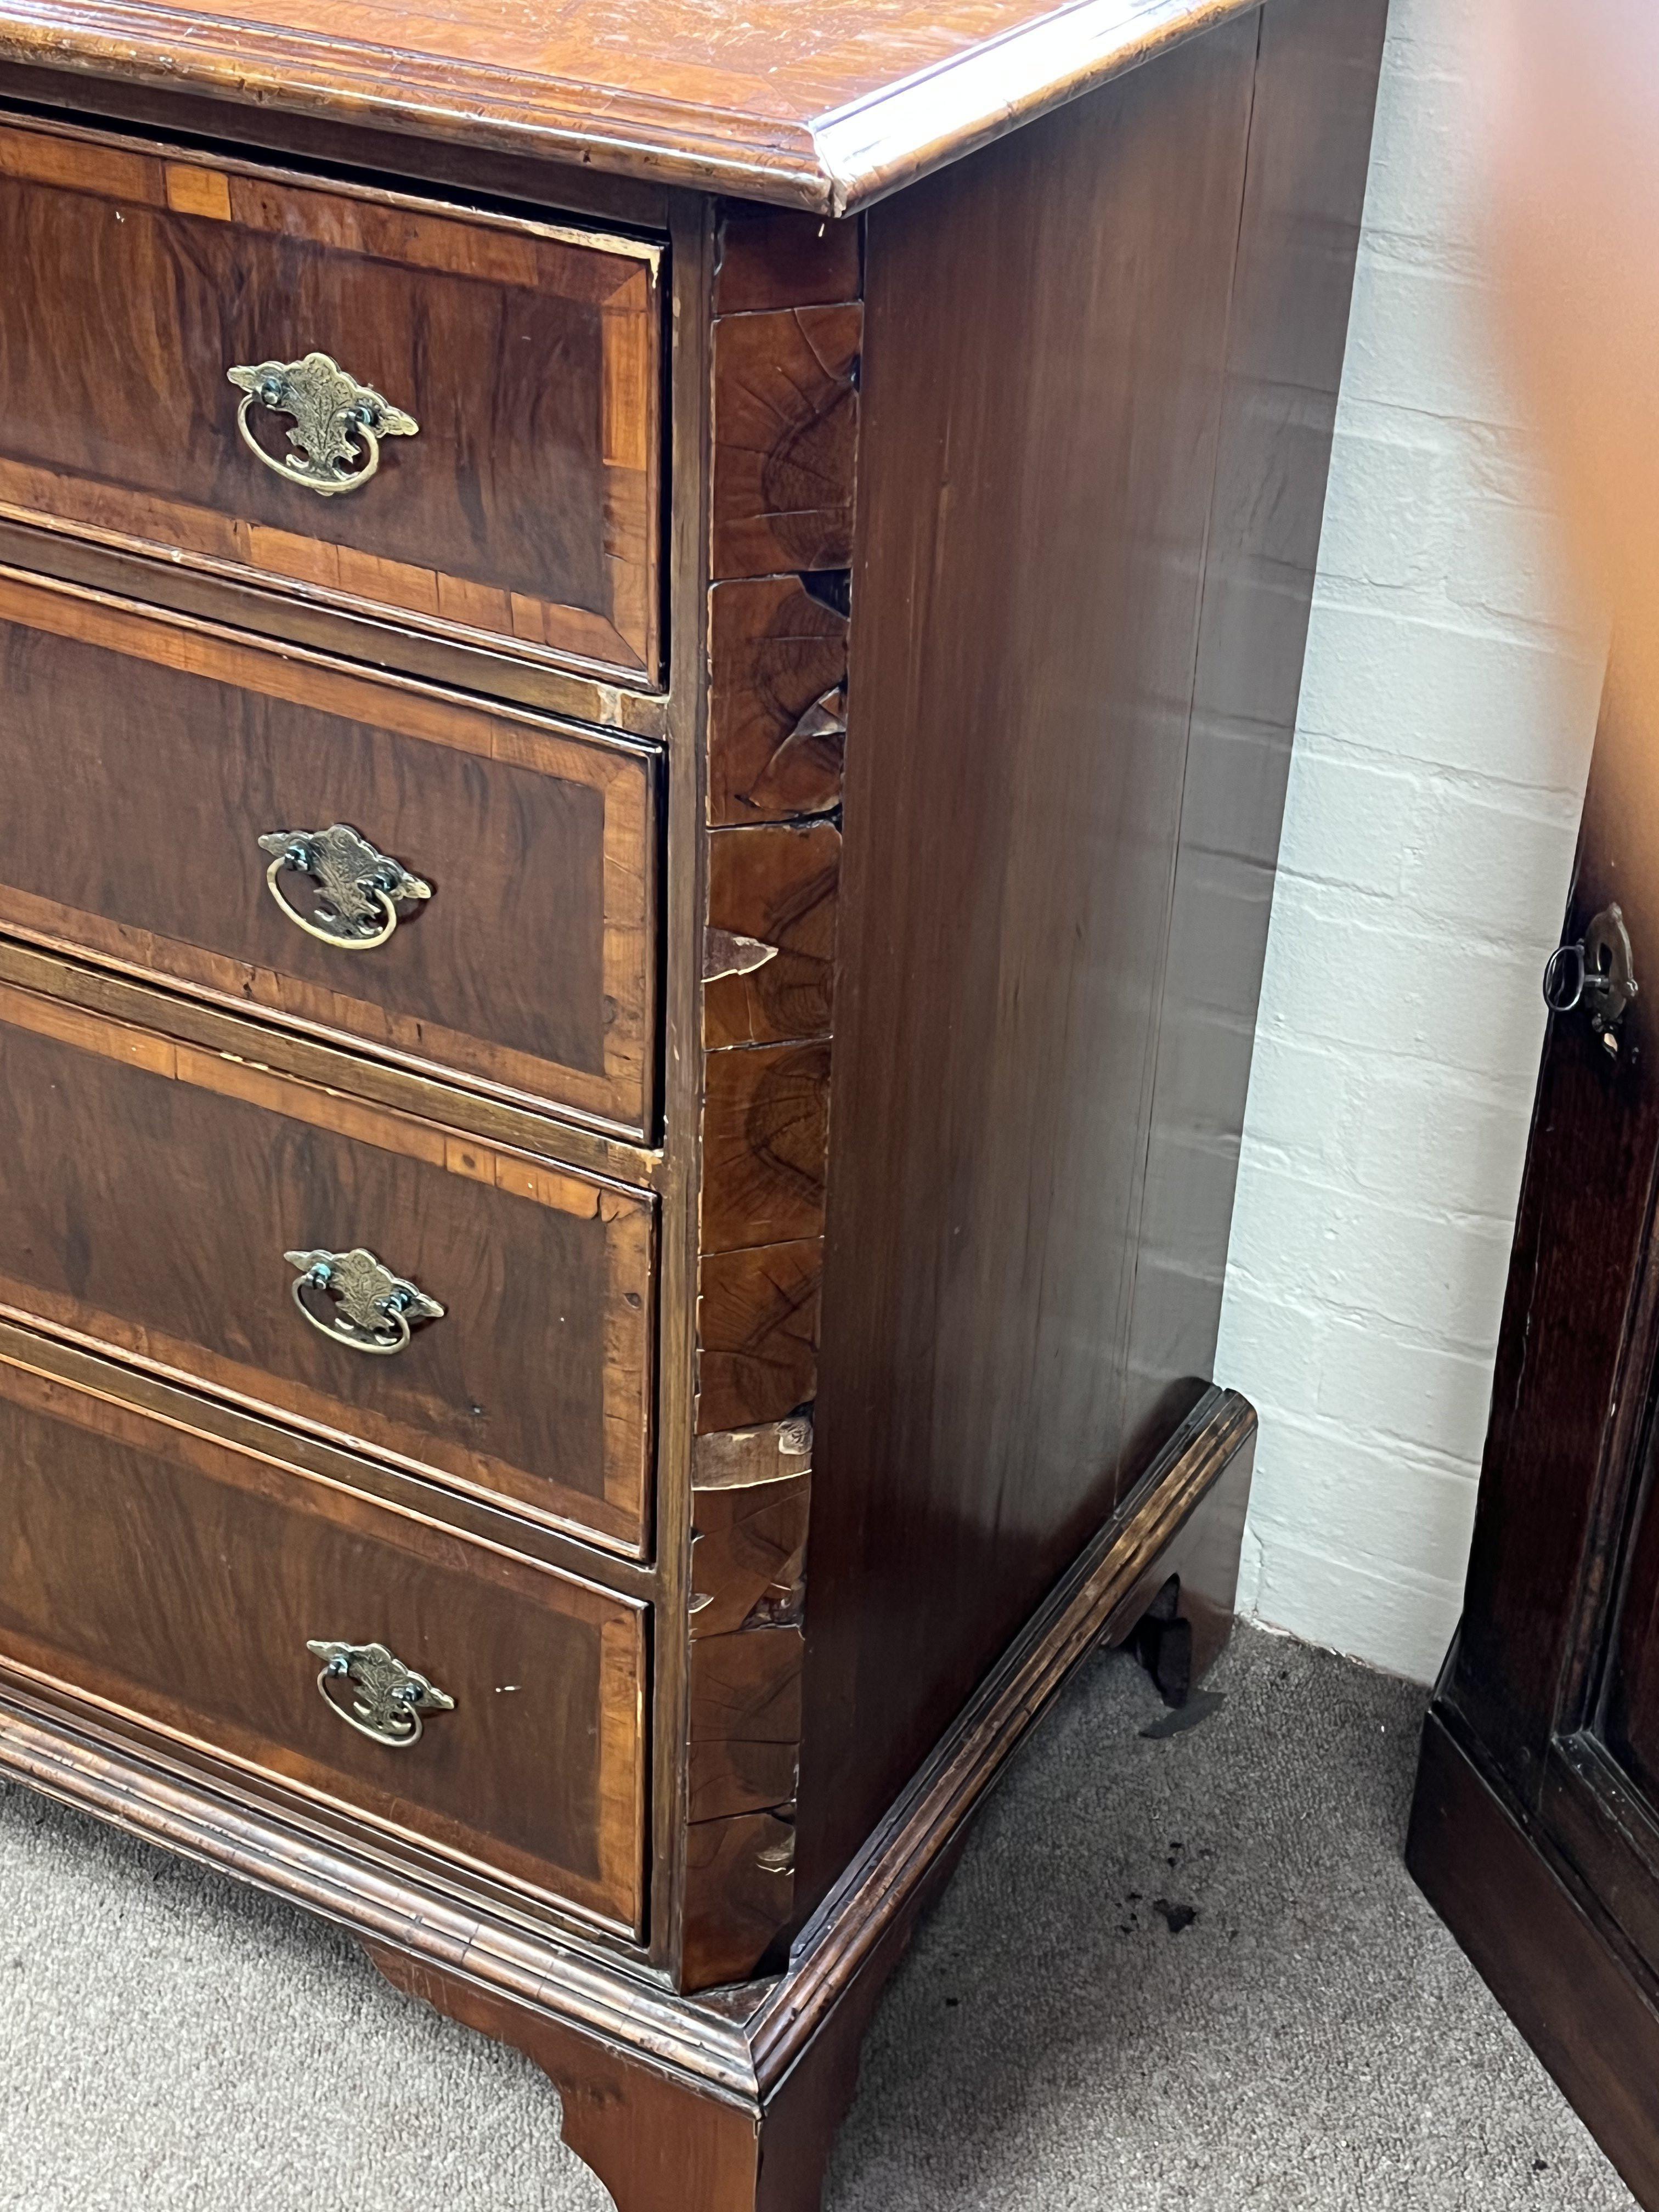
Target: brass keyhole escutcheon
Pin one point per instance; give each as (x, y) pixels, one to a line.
(1597, 973)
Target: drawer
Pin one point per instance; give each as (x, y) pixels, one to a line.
(145, 757)
(150, 1194)
(181, 1581)
(513, 367)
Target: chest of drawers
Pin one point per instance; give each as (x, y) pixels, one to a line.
(646, 664)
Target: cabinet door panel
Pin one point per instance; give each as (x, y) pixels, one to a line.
(1564, 1446)
(1628, 1718)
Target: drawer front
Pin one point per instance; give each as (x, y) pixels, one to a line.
(521, 506)
(145, 757)
(179, 1581)
(149, 1193)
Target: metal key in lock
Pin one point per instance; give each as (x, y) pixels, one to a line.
(1597, 974)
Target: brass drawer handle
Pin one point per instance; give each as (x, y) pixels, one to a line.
(373, 1310)
(360, 887)
(337, 421)
(389, 1697)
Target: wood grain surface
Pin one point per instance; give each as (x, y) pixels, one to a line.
(1311, 131)
(1539, 1942)
(765, 1137)
(786, 439)
(782, 493)
(752, 1501)
(1536, 1825)
(720, 2103)
(163, 1575)
(1566, 1471)
(768, 258)
(469, 173)
(980, 436)
(332, 1067)
(150, 1190)
(757, 1331)
(526, 511)
(144, 759)
(771, 893)
(1045, 358)
(777, 708)
(822, 108)
(1630, 1717)
(657, 2143)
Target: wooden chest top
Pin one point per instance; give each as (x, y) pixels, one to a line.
(825, 106)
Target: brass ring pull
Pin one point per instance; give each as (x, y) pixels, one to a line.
(374, 1310)
(339, 423)
(360, 888)
(388, 1698)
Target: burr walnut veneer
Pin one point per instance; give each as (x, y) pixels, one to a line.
(648, 657)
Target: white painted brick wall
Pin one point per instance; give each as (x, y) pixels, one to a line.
(1447, 715)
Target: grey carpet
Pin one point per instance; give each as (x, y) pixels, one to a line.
(1310, 2040)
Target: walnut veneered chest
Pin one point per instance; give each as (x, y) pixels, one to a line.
(646, 664)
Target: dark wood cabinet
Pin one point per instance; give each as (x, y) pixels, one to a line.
(646, 683)
(1535, 1829)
